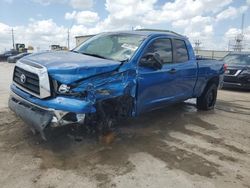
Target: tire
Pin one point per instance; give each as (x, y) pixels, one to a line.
(208, 98)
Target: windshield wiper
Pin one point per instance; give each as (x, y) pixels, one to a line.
(95, 55)
(122, 62)
(74, 51)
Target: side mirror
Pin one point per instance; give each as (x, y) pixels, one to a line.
(151, 60)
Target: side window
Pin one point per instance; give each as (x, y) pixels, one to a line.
(181, 51)
(163, 47)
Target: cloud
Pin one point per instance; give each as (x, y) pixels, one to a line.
(195, 18)
(231, 33)
(48, 2)
(146, 11)
(198, 27)
(5, 36)
(181, 14)
(81, 4)
(231, 13)
(70, 16)
(42, 33)
(38, 33)
(190, 17)
(76, 4)
(83, 17)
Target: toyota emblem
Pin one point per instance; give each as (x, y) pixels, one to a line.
(23, 78)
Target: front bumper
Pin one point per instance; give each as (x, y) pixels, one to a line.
(240, 82)
(236, 85)
(38, 118)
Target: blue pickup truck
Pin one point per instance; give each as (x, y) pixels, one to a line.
(110, 76)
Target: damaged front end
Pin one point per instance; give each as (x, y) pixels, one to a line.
(95, 82)
(96, 100)
(111, 94)
(38, 118)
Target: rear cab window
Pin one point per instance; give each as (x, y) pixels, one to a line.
(181, 52)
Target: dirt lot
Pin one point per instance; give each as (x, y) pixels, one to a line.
(174, 147)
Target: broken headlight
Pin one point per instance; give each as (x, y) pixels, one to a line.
(63, 88)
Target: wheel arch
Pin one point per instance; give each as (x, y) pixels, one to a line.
(213, 80)
(203, 102)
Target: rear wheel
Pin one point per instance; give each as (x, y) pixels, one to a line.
(208, 98)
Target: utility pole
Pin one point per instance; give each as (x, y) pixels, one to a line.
(197, 46)
(239, 39)
(238, 46)
(68, 39)
(242, 24)
(228, 46)
(13, 39)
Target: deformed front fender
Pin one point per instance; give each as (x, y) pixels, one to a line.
(108, 86)
(121, 84)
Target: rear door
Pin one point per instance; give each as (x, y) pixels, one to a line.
(186, 69)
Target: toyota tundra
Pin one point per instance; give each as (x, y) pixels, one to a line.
(110, 76)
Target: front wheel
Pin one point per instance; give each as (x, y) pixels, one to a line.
(208, 98)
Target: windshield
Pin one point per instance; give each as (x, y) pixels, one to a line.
(119, 47)
(243, 59)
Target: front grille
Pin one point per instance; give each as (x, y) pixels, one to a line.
(231, 79)
(32, 80)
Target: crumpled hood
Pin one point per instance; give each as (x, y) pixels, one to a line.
(68, 67)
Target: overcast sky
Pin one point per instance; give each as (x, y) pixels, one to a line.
(41, 23)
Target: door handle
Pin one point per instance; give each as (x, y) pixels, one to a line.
(172, 71)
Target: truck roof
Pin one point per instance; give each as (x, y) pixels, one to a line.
(148, 32)
(156, 31)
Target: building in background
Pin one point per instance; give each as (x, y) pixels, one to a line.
(81, 39)
(56, 47)
(214, 54)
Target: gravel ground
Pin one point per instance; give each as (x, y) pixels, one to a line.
(174, 147)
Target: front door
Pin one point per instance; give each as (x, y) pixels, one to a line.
(155, 87)
(173, 82)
